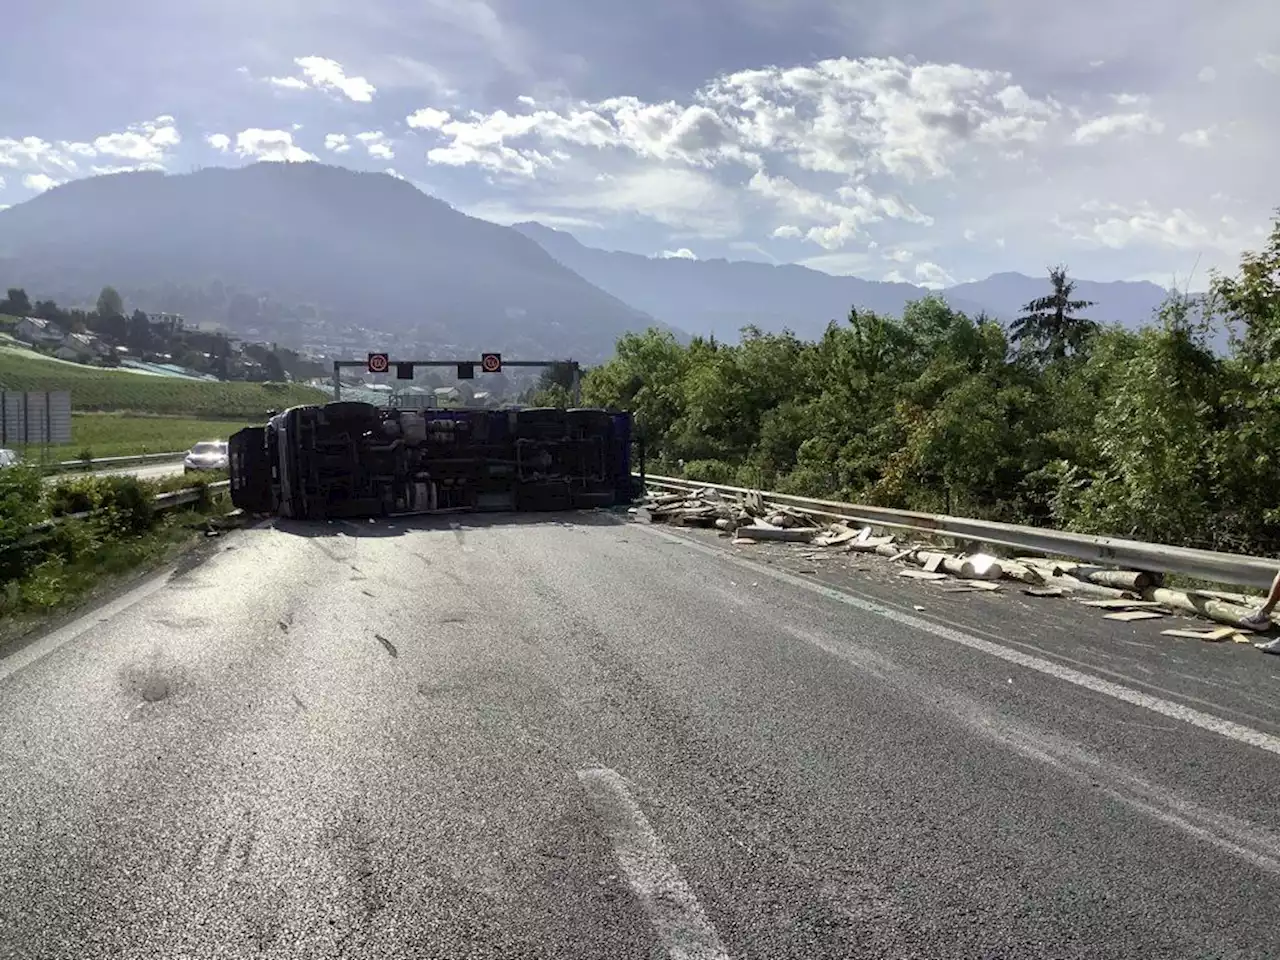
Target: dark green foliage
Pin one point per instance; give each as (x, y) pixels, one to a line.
(1049, 329)
(1147, 434)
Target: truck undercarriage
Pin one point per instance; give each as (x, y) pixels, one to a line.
(343, 459)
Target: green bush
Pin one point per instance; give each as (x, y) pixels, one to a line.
(710, 471)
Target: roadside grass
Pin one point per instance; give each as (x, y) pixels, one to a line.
(120, 435)
(53, 570)
(102, 389)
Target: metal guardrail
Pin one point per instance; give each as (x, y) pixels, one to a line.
(106, 463)
(162, 502)
(178, 498)
(1225, 568)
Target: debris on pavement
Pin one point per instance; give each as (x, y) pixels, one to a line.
(1044, 591)
(1119, 604)
(922, 575)
(1212, 636)
(750, 518)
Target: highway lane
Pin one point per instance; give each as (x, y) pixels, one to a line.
(147, 471)
(143, 471)
(576, 737)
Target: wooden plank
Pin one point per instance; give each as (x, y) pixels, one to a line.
(1127, 616)
(1120, 604)
(921, 575)
(1044, 591)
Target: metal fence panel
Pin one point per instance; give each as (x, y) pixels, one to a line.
(34, 416)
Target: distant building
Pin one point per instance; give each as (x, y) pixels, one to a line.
(81, 347)
(35, 330)
(173, 321)
(447, 396)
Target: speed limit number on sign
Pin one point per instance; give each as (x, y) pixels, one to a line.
(379, 363)
(491, 362)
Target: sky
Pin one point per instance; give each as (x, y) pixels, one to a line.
(932, 141)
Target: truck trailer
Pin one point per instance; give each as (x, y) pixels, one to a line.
(349, 459)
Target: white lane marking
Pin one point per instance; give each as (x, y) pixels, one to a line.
(1166, 708)
(683, 928)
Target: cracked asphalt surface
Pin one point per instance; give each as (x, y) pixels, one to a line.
(365, 740)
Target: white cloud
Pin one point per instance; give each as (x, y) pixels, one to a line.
(684, 253)
(321, 73)
(834, 223)
(39, 182)
(679, 198)
(900, 256)
(377, 143)
(932, 276)
(146, 141)
(273, 145)
(1116, 125)
(787, 232)
(1207, 75)
(970, 235)
(219, 141)
(894, 276)
(1198, 138)
(337, 142)
(428, 118)
(1269, 62)
(28, 150)
(1117, 226)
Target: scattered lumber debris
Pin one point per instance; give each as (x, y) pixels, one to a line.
(1126, 595)
(1211, 636)
(1044, 591)
(1127, 616)
(922, 575)
(1119, 604)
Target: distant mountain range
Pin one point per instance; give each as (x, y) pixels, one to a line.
(286, 250)
(358, 248)
(721, 296)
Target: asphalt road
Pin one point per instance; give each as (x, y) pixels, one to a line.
(147, 471)
(575, 737)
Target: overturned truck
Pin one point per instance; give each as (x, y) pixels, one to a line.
(348, 459)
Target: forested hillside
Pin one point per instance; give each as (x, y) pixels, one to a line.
(1093, 428)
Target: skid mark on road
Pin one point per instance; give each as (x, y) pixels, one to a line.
(677, 918)
(1166, 708)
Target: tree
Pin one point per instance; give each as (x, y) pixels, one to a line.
(1049, 329)
(273, 367)
(16, 303)
(110, 303)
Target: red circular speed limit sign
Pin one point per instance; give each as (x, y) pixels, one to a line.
(379, 363)
(491, 362)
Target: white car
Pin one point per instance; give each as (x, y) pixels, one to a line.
(206, 455)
